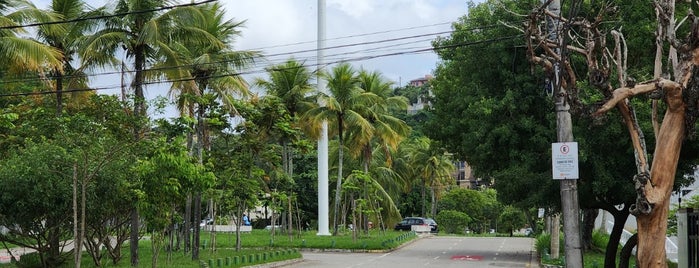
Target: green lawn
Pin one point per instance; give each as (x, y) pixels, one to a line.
(258, 247)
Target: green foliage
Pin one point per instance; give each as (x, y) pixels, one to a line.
(6, 120)
(692, 202)
(164, 177)
(599, 240)
(29, 260)
(481, 206)
(543, 244)
(372, 200)
(511, 219)
(453, 222)
(504, 126)
(36, 199)
(413, 94)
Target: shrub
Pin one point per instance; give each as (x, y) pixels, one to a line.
(30, 260)
(543, 244)
(453, 222)
(600, 240)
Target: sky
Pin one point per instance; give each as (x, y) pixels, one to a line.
(364, 28)
(376, 35)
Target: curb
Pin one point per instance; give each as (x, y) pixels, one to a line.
(278, 264)
(316, 250)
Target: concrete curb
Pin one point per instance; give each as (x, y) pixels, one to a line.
(315, 250)
(278, 263)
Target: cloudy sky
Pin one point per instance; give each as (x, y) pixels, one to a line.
(377, 35)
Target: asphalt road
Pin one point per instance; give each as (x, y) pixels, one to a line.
(436, 251)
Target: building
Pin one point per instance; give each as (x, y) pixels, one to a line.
(420, 81)
(464, 176)
(422, 100)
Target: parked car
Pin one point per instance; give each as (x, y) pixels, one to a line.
(407, 222)
(206, 222)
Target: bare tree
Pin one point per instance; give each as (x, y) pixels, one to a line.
(677, 89)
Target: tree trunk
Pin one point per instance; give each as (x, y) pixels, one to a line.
(76, 253)
(354, 217)
(212, 210)
(238, 223)
(338, 186)
(133, 241)
(652, 227)
(197, 230)
(555, 236)
(423, 195)
(589, 216)
(59, 93)
(188, 223)
(199, 151)
(620, 217)
(627, 250)
(78, 245)
(290, 227)
(433, 199)
(274, 218)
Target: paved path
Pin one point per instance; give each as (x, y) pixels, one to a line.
(436, 251)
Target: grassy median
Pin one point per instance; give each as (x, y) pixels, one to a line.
(258, 247)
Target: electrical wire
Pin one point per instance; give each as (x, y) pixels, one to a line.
(270, 59)
(105, 16)
(415, 51)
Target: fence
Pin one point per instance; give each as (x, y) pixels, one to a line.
(688, 237)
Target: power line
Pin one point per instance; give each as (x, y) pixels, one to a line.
(271, 56)
(105, 16)
(20, 80)
(223, 62)
(415, 51)
(353, 36)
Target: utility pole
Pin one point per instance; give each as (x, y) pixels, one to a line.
(323, 200)
(564, 123)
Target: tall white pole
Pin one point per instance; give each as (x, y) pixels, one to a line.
(323, 201)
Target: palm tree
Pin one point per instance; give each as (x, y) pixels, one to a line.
(204, 42)
(291, 83)
(144, 37)
(340, 109)
(388, 130)
(22, 54)
(64, 38)
(433, 167)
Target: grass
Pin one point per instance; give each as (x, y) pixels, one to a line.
(258, 247)
(375, 240)
(591, 259)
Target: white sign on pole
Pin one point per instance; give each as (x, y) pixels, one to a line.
(564, 159)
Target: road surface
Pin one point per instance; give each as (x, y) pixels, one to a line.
(436, 251)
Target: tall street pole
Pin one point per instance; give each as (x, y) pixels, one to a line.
(568, 187)
(323, 200)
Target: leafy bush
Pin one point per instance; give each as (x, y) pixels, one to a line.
(543, 244)
(600, 240)
(453, 222)
(30, 260)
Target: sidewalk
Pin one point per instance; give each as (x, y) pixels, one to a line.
(6, 257)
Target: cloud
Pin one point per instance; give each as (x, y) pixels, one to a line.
(287, 27)
(274, 25)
